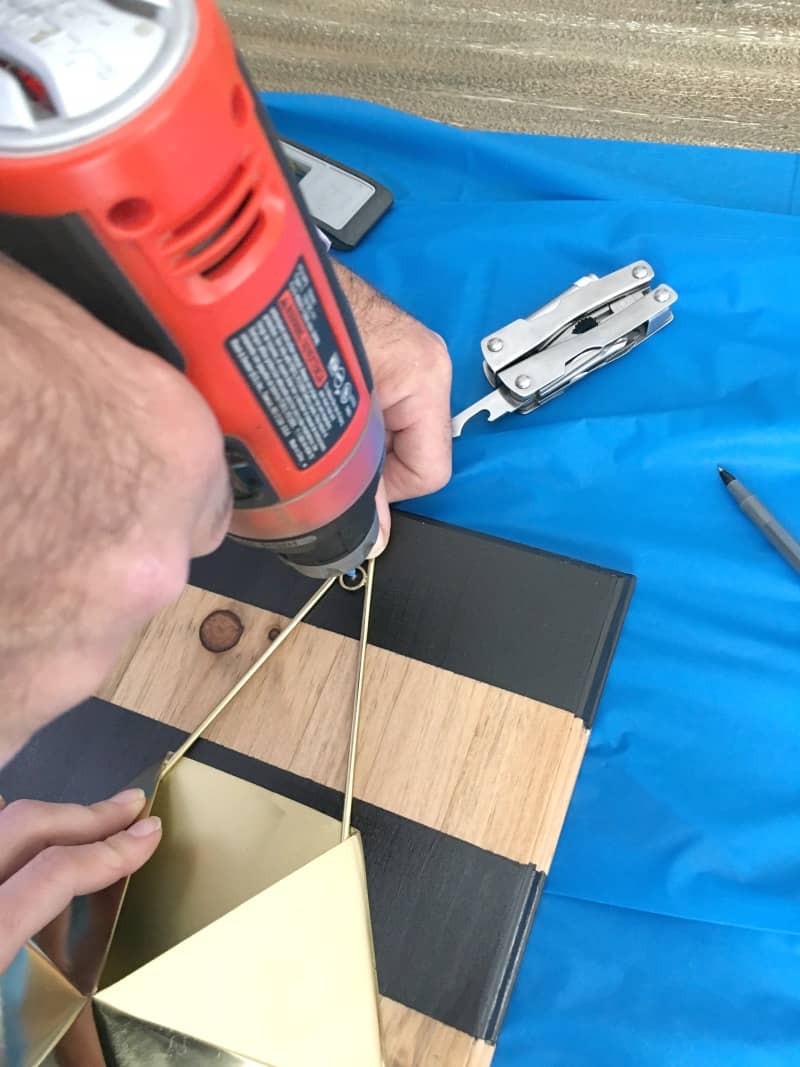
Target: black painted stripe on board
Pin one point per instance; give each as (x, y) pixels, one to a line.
(517, 618)
(450, 920)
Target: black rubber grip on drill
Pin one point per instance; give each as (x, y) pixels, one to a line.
(332, 542)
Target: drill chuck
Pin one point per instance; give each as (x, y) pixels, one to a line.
(336, 548)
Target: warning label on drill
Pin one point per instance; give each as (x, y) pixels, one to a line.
(291, 361)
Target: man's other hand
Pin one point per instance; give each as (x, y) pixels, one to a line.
(50, 853)
(412, 372)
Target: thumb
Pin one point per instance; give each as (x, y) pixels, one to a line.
(40, 890)
(384, 520)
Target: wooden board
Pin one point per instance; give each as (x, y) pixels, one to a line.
(296, 716)
(464, 775)
(707, 72)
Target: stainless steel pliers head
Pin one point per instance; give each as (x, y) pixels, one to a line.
(593, 323)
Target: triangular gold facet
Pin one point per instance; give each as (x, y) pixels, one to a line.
(224, 841)
(37, 1005)
(287, 977)
(130, 1042)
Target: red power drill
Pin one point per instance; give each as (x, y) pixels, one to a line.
(139, 174)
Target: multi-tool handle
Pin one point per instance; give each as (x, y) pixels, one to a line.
(543, 326)
(594, 322)
(546, 374)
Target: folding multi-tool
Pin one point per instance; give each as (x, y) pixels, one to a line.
(596, 321)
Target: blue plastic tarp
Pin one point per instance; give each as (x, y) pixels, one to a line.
(669, 931)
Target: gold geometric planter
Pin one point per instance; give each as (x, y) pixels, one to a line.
(246, 939)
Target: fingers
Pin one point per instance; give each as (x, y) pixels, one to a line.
(27, 827)
(384, 520)
(419, 459)
(38, 892)
(412, 372)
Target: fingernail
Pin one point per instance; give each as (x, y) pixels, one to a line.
(379, 545)
(146, 827)
(127, 797)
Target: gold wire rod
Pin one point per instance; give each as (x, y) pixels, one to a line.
(259, 663)
(362, 655)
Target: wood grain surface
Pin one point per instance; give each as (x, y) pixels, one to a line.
(490, 767)
(469, 749)
(692, 71)
(414, 1040)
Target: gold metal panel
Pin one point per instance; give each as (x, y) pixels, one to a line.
(77, 941)
(224, 840)
(287, 977)
(103, 1037)
(37, 1004)
(130, 1042)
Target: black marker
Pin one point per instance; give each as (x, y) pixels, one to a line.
(766, 522)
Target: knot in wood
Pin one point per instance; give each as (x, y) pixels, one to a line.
(220, 631)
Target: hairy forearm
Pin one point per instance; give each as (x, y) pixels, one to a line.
(412, 374)
(374, 313)
(111, 463)
(58, 444)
